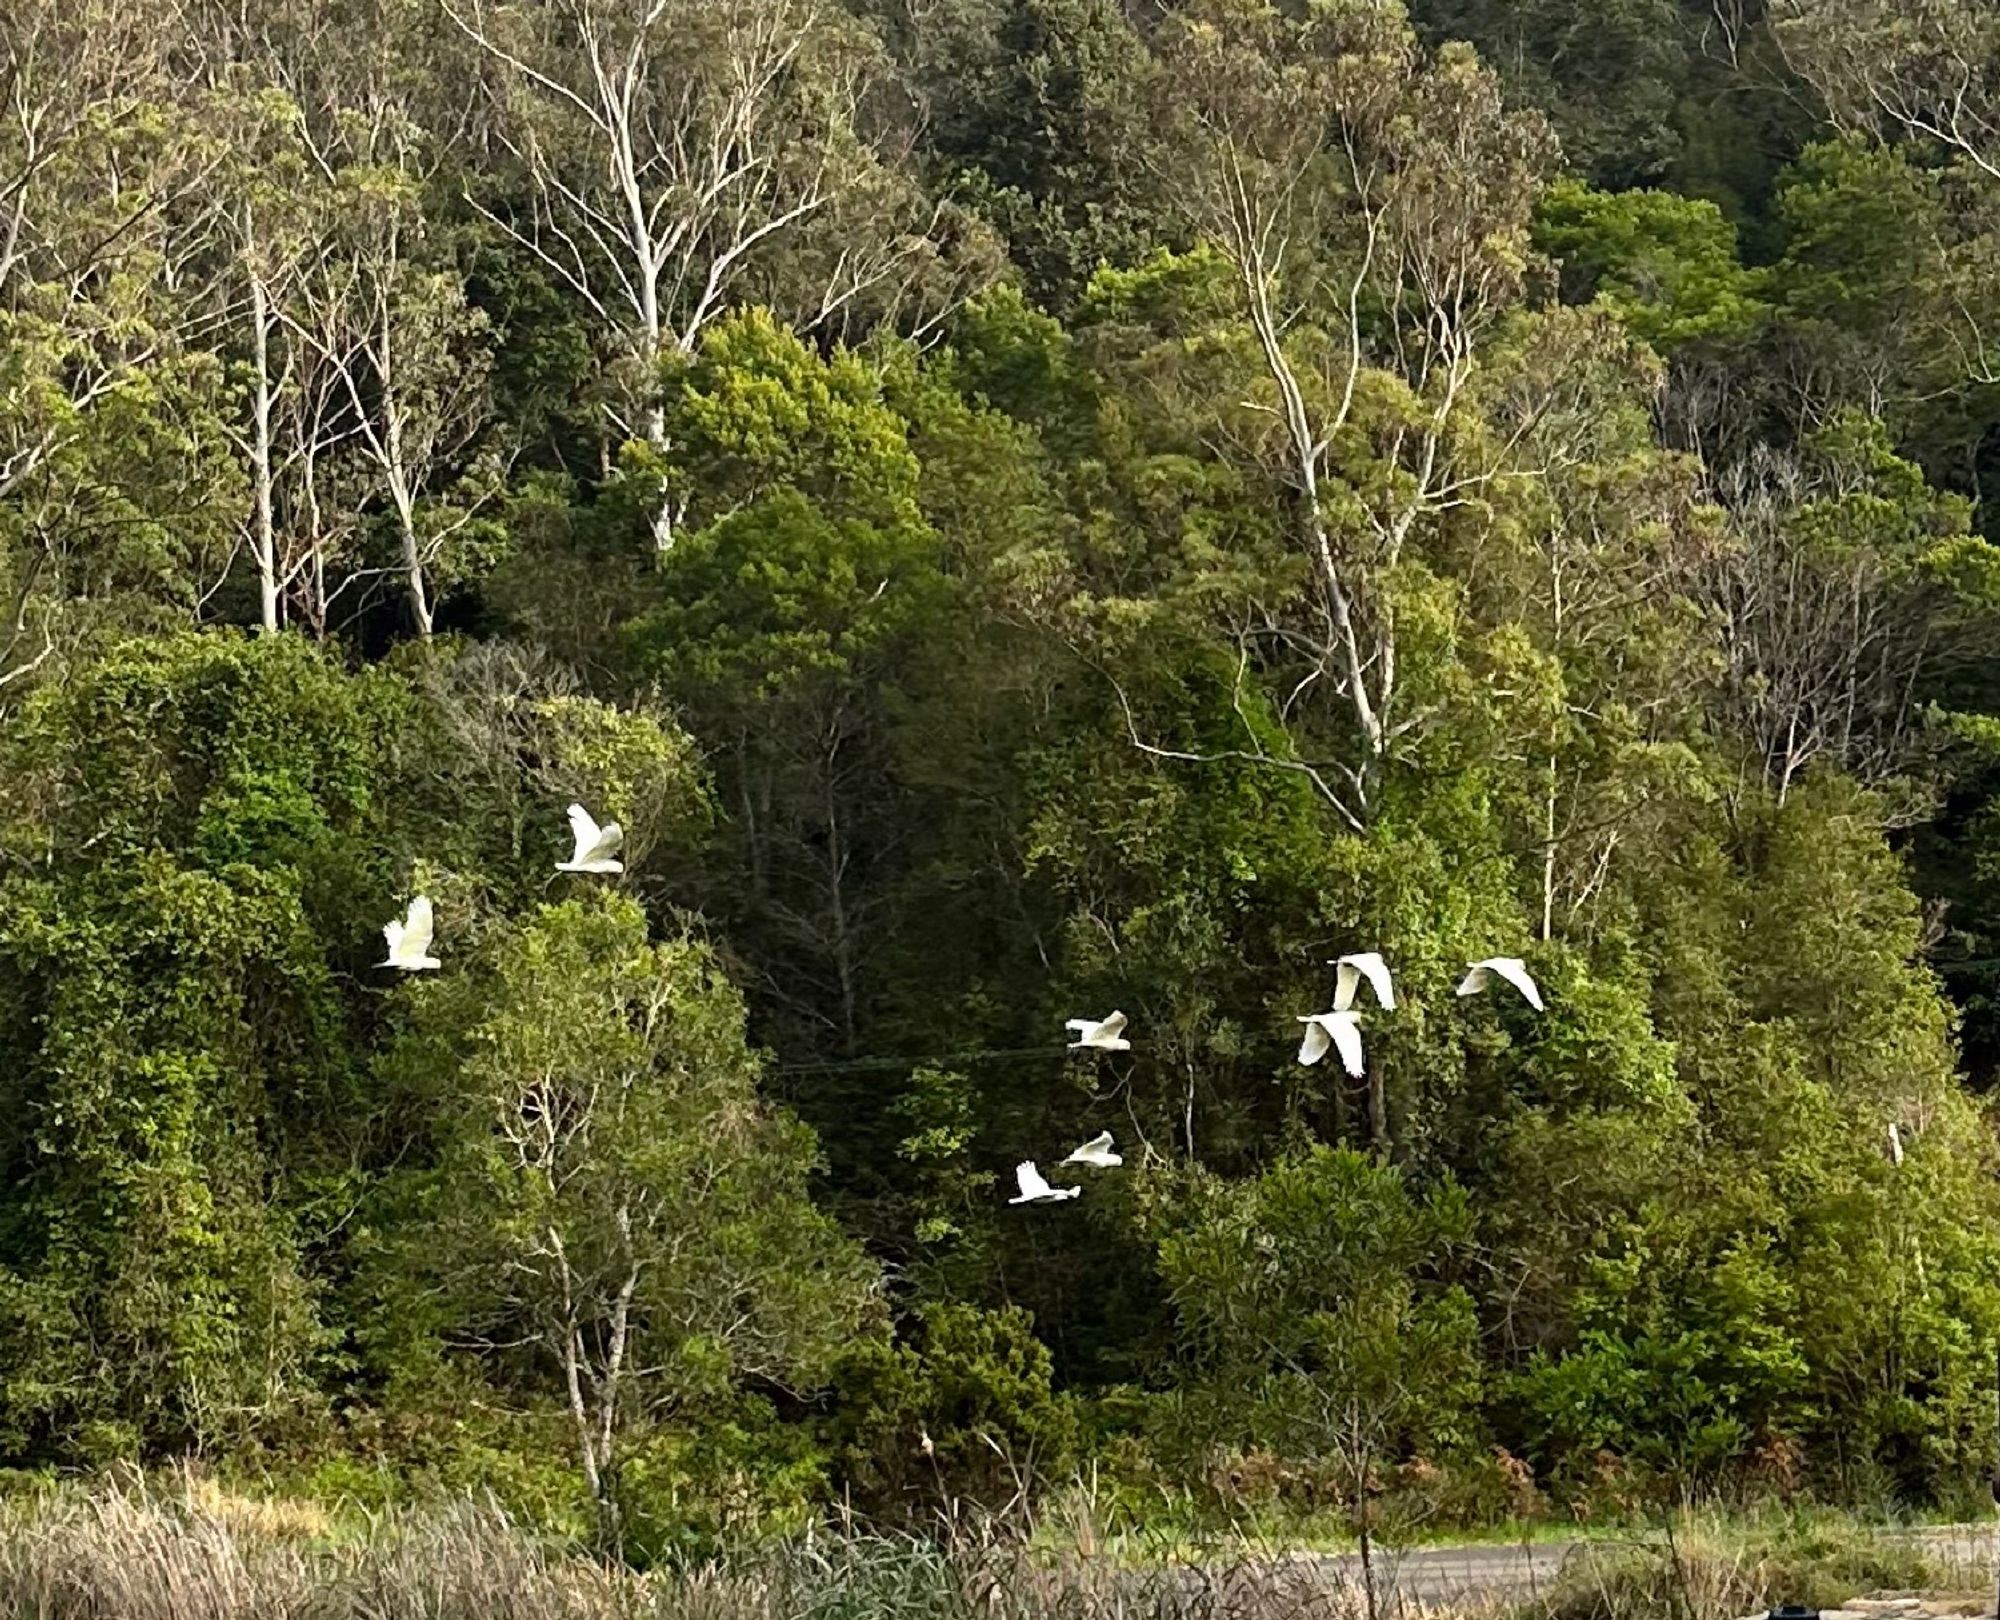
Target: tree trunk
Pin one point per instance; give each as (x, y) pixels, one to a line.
(836, 873)
(264, 536)
(1308, 449)
(593, 1438)
(652, 344)
(656, 436)
(1549, 856)
(609, 1386)
(405, 502)
(413, 566)
(586, 1440)
(314, 605)
(1367, 1541)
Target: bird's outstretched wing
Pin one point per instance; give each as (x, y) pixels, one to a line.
(1347, 1040)
(595, 845)
(1031, 1182)
(1333, 1031)
(1112, 1027)
(1515, 972)
(583, 827)
(417, 928)
(1353, 969)
(392, 936)
(1080, 1026)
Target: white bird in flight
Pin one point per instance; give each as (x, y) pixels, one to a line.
(595, 846)
(1895, 1144)
(1353, 969)
(1099, 1034)
(1510, 968)
(410, 939)
(1034, 1190)
(1096, 1153)
(1338, 1029)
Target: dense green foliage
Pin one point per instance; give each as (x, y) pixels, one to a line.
(1018, 508)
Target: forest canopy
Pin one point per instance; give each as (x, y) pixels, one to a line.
(1018, 508)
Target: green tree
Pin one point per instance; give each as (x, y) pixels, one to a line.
(1035, 112)
(191, 820)
(1312, 1300)
(1666, 266)
(1609, 78)
(609, 1202)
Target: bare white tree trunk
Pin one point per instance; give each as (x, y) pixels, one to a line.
(574, 1362)
(396, 472)
(264, 530)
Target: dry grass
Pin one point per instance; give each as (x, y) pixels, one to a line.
(119, 1556)
(192, 1551)
(257, 1518)
(195, 1552)
(1704, 1568)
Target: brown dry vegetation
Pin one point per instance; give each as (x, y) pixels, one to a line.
(198, 1553)
(191, 1550)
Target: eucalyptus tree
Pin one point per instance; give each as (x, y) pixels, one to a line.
(1848, 595)
(1926, 68)
(674, 156)
(366, 366)
(112, 497)
(1373, 205)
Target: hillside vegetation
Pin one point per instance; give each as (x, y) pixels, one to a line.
(1019, 508)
